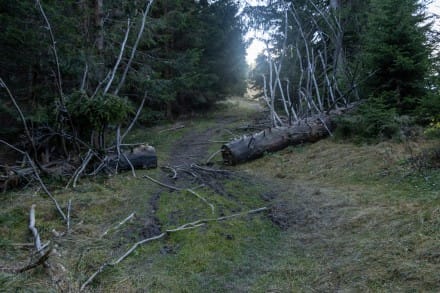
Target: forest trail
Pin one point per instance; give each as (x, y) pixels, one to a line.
(341, 224)
(309, 216)
(341, 218)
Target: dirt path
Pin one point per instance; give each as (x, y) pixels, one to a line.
(313, 220)
(334, 224)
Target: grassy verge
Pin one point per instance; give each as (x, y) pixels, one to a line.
(198, 260)
(375, 220)
(343, 218)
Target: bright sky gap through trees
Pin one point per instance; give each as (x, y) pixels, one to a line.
(257, 46)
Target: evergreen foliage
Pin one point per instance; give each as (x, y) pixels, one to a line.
(379, 51)
(94, 114)
(191, 55)
(395, 49)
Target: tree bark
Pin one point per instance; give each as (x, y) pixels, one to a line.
(274, 139)
(99, 23)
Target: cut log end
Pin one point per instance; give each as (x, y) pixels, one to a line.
(142, 157)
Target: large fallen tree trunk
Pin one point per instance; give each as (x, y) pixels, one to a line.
(254, 146)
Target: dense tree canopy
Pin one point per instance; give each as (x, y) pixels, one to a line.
(82, 56)
(190, 54)
(325, 54)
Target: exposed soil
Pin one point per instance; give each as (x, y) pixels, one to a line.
(193, 149)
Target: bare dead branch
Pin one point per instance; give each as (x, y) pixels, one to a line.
(81, 169)
(188, 172)
(69, 207)
(195, 166)
(23, 119)
(212, 156)
(37, 176)
(204, 221)
(174, 172)
(177, 127)
(98, 87)
(187, 226)
(54, 51)
(138, 112)
(84, 79)
(162, 184)
(118, 225)
(133, 172)
(133, 50)
(182, 189)
(201, 198)
(40, 261)
(121, 53)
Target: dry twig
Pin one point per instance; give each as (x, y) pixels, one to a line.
(37, 176)
(119, 224)
(177, 127)
(182, 189)
(136, 43)
(121, 53)
(212, 156)
(41, 261)
(195, 166)
(183, 227)
(174, 175)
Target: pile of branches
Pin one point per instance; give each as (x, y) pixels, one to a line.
(61, 149)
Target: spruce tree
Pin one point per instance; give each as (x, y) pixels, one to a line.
(396, 53)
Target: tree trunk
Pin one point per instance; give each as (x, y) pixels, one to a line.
(274, 139)
(99, 23)
(338, 62)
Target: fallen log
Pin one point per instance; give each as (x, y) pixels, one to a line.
(141, 157)
(274, 139)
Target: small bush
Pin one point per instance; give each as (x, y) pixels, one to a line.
(98, 112)
(433, 130)
(426, 159)
(429, 109)
(372, 121)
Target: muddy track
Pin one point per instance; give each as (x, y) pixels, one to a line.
(293, 205)
(192, 148)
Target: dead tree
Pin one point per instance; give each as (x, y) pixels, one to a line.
(274, 139)
(318, 81)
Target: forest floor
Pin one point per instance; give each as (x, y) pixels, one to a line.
(341, 217)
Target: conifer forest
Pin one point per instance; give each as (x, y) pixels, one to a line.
(142, 148)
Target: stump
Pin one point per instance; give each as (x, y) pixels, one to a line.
(141, 157)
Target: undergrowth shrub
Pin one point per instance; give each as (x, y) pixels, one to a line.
(429, 109)
(99, 111)
(371, 122)
(426, 159)
(433, 130)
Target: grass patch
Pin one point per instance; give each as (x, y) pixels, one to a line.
(379, 218)
(344, 217)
